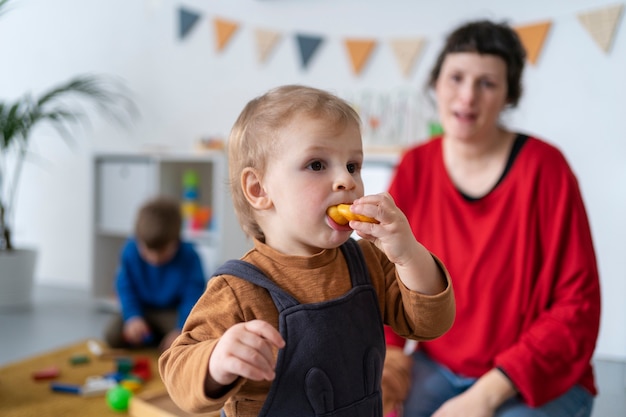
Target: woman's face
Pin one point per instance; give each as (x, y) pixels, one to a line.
(471, 92)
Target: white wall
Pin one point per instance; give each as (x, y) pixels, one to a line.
(574, 97)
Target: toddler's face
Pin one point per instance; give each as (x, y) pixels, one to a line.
(317, 166)
(158, 257)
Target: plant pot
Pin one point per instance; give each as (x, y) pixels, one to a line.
(17, 270)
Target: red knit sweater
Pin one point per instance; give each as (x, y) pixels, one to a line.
(522, 264)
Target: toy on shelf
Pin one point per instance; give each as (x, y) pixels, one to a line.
(434, 128)
(210, 143)
(195, 216)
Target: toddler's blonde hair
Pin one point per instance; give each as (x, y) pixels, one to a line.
(254, 136)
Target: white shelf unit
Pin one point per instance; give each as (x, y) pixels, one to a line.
(124, 181)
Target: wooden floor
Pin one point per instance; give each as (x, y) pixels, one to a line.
(62, 316)
(22, 395)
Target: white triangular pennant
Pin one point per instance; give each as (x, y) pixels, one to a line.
(266, 40)
(601, 24)
(406, 52)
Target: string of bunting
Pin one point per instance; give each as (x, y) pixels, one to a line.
(600, 23)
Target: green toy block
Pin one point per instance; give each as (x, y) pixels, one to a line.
(79, 359)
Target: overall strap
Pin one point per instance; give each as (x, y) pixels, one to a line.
(352, 253)
(251, 273)
(356, 263)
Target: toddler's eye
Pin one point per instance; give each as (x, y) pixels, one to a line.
(352, 168)
(316, 166)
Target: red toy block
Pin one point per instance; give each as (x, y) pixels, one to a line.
(141, 368)
(47, 373)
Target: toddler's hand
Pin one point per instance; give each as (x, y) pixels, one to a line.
(246, 350)
(392, 234)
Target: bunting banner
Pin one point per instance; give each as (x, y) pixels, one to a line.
(406, 52)
(187, 19)
(224, 30)
(308, 45)
(533, 37)
(359, 51)
(601, 24)
(266, 41)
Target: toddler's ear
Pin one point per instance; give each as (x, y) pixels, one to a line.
(253, 190)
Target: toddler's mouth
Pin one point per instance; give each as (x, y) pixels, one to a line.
(336, 226)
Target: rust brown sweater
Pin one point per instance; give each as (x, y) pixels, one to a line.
(229, 300)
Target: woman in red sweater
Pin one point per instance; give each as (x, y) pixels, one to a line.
(504, 212)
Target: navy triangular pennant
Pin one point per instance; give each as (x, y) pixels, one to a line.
(308, 45)
(187, 20)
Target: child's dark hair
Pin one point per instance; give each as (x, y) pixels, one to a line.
(488, 38)
(158, 222)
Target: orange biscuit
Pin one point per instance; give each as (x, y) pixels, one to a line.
(342, 215)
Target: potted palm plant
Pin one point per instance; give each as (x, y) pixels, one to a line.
(62, 108)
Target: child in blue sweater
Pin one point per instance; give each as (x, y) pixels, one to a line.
(159, 280)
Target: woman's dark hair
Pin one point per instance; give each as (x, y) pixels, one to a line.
(488, 38)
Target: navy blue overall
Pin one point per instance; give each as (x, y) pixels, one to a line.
(332, 362)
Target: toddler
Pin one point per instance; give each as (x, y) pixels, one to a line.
(295, 328)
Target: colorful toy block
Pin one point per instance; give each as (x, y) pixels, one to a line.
(66, 388)
(79, 359)
(50, 372)
(97, 385)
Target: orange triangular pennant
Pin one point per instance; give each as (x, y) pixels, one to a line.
(360, 51)
(601, 24)
(406, 52)
(265, 42)
(224, 30)
(533, 37)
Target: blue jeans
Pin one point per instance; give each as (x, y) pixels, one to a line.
(434, 384)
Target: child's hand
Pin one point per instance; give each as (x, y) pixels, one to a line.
(246, 350)
(136, 330)
(393, 234)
